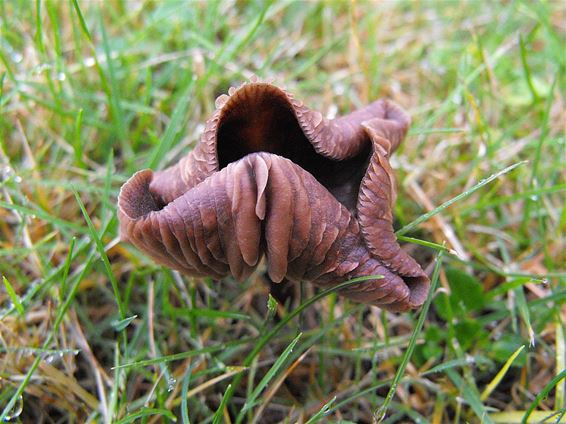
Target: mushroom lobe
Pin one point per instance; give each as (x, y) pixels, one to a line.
(273, 178)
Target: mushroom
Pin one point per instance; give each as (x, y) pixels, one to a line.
(270, 177)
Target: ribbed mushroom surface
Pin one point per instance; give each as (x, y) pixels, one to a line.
(272, 177)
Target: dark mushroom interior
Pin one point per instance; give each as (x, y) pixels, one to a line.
(259, 118)
(135, 199)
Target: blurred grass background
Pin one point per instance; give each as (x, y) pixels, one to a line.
(93, 331)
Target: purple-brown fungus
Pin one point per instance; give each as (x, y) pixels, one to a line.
(270, 177)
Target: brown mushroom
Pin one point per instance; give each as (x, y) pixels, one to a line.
(272, 177)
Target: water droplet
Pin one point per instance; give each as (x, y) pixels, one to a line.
(47, 357)
(41, 68)
(61, 76)
(544, 282)
(534, 198)
(89, 61)
(17, 179)
(6, 173)
(171, 384)
(16, 410)
(17, 57)
(51, 357)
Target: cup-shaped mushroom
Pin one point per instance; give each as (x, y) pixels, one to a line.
(273, 178)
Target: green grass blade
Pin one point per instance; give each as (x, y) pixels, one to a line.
(184, 400)
(461, 196)
(543, 394)
(188, 354)
(62, 310)
(499, 376)
(524, 313)
(103, 256)
(13, 296)
(114, 96)
(66, 268)
(488, 204)
(219, 412)
(263, 340)
(526, 69)
(46, 216)
(38, 37)
(172, 132)
(77, 142)
(459, 362)
(82, 21)
(379, 414)
(435, 246)
(252, 399)
(470, 395)
(322, 412)
(209, 313)
(383, 383)
(120, 325)
(144, 413)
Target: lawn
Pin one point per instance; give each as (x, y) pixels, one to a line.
(92, 330)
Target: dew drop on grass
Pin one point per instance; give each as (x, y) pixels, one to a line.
(17, 57)
(41, 68)
(47, 357)
(16, 410)
(61, 76)
(51, 357)
(544, 282)
(171, 384)
(89, 61)
(6, 173)
(457, 98)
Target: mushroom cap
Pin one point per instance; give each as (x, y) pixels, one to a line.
(270, 177)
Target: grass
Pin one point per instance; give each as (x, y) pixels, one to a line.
(93, 331)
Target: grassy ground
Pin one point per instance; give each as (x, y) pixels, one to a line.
(92, 331)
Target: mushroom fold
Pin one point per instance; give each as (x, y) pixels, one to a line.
(270, 177)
